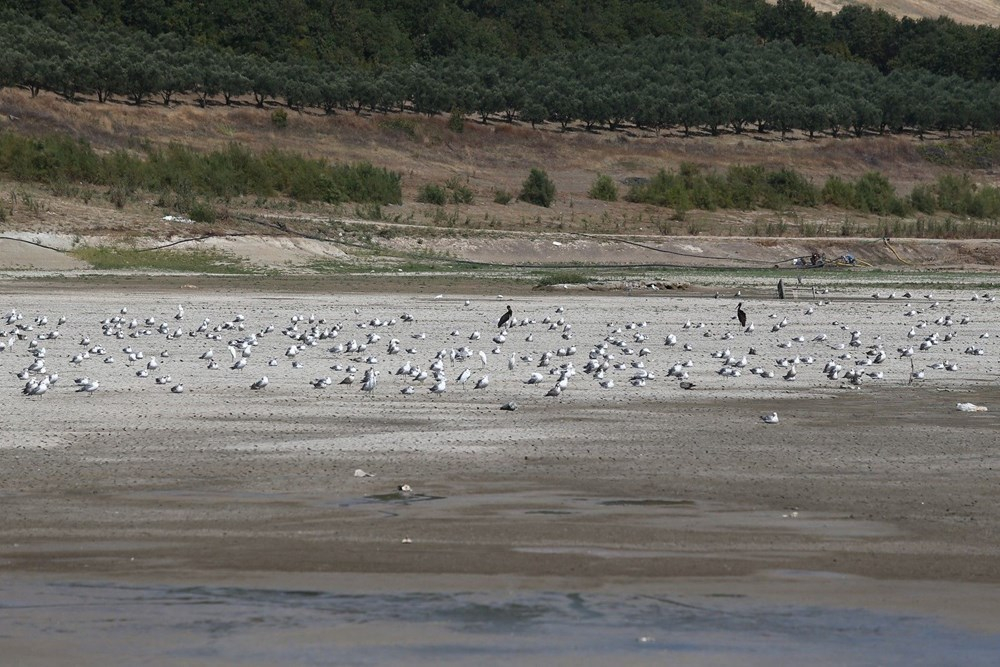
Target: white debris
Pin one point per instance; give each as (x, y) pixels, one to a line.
(971, 407)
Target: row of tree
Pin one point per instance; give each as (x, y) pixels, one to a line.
(380, 33)
(707, 85)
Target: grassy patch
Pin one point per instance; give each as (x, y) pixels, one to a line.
(330, 266)
(190, 261)
(563, 277)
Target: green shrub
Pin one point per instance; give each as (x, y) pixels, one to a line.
(538, 189)
(955, 193)
(432, 194)
(279, 118)
(987, 203)
(667, 188)
(838, 192)
(202, 212)
(875, 194)
(604, 189)
(502, 197)
(923, 199)
(460, 194)
(48, 159)
(231, 171)
(453, 191)
(788, 187)
(745, 185)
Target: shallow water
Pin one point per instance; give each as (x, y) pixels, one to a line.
(114, 624)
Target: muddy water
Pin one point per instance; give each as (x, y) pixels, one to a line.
(95, 623)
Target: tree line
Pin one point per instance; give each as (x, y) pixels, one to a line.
(690, 84)
(377, 33)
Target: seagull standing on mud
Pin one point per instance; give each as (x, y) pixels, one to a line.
(370, 380)
(88, 387)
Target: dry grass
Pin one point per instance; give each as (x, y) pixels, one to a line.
(485, 158)
(962, 11)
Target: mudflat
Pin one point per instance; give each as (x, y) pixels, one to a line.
(876, 493)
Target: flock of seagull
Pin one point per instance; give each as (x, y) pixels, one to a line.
(148, 347)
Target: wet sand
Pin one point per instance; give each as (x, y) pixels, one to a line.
(881, 496)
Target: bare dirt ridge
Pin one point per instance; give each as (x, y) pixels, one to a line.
(296, 255)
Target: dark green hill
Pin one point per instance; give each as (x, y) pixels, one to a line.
(379, 32)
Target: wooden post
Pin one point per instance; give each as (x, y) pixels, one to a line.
(781, 289)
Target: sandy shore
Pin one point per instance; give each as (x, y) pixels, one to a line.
(885, 489)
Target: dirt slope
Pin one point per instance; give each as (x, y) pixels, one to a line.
(963, 11)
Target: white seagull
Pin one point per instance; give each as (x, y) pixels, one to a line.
(88, 387)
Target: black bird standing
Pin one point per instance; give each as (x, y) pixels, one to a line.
(505, 318)
(740, 315)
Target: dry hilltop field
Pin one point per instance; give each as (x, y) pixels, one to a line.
(963, 11)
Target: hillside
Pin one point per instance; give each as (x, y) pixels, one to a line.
(483, 158)
(728, 143)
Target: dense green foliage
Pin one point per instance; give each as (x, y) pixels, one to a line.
(230, 172)
(750, 188)
(382, 33)
(740, 188)
(724, 66)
